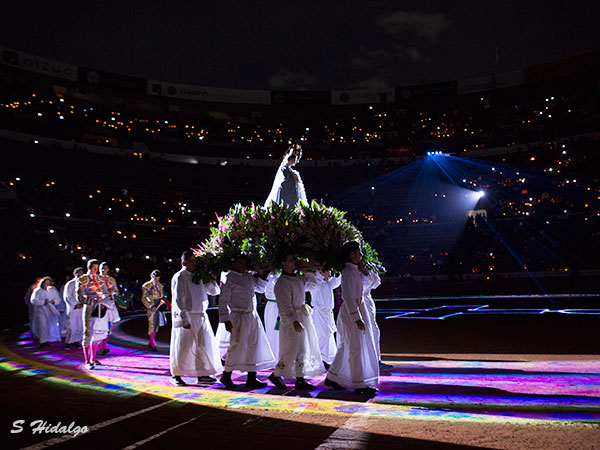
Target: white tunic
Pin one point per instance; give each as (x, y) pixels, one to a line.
(299, 353)
(74, 315)
(356, 363)
(249, 349)
(45, 316)
(271, 314)
(194, 351)
(323, 303)
(372, 281)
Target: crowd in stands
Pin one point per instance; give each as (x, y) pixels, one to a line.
(453, 123)
(540, 213)
(139, 215)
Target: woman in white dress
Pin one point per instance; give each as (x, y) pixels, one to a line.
(45, 314)
(288, 187)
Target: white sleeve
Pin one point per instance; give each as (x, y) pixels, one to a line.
(352, 293)
(179, 293)
(38, 297)
(335, 282)
(224, 301)
(310, 281)
(375, 280)
(260, 285)
(212, 288)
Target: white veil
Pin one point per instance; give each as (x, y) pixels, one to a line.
(279, 178)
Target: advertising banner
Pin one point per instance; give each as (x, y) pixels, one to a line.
(355, 97)
(207, 94)
(111, 80)
(301, 97)
(476, 84)
(508, 79)
(426, 90)
(38, 64)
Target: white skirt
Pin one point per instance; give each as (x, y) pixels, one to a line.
(325, 327)
(194, 352)
(299, 354)
(45, 319)
(371, 316)
(74, 326)
(249, 349)
(356, 362)
(223, 338)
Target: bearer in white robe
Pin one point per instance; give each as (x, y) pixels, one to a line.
(323, 303)
(272, 314)
(249, 348)
(45, 315)
(74, 309)
(371, 281)
(299, 354)
(356, 363)
(194, 351)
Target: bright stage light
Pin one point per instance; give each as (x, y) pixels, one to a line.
(480, 194)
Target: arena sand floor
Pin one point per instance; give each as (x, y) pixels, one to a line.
(428, 399)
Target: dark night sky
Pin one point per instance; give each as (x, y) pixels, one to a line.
(302, 44)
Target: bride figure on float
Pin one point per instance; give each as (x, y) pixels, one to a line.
(287, 186)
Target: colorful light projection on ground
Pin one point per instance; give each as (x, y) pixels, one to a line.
(442, 389)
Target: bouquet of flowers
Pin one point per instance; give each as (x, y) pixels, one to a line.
(315, 233)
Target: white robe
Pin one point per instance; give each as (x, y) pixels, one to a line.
(59, 305)
(323, 303)
(74, 315)
(45, 316)
(194, 352)
(249, 348)
(356, 363)
(223, 338)
(271, 314)
(62, 310)
(299, 353)
(372, 281)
